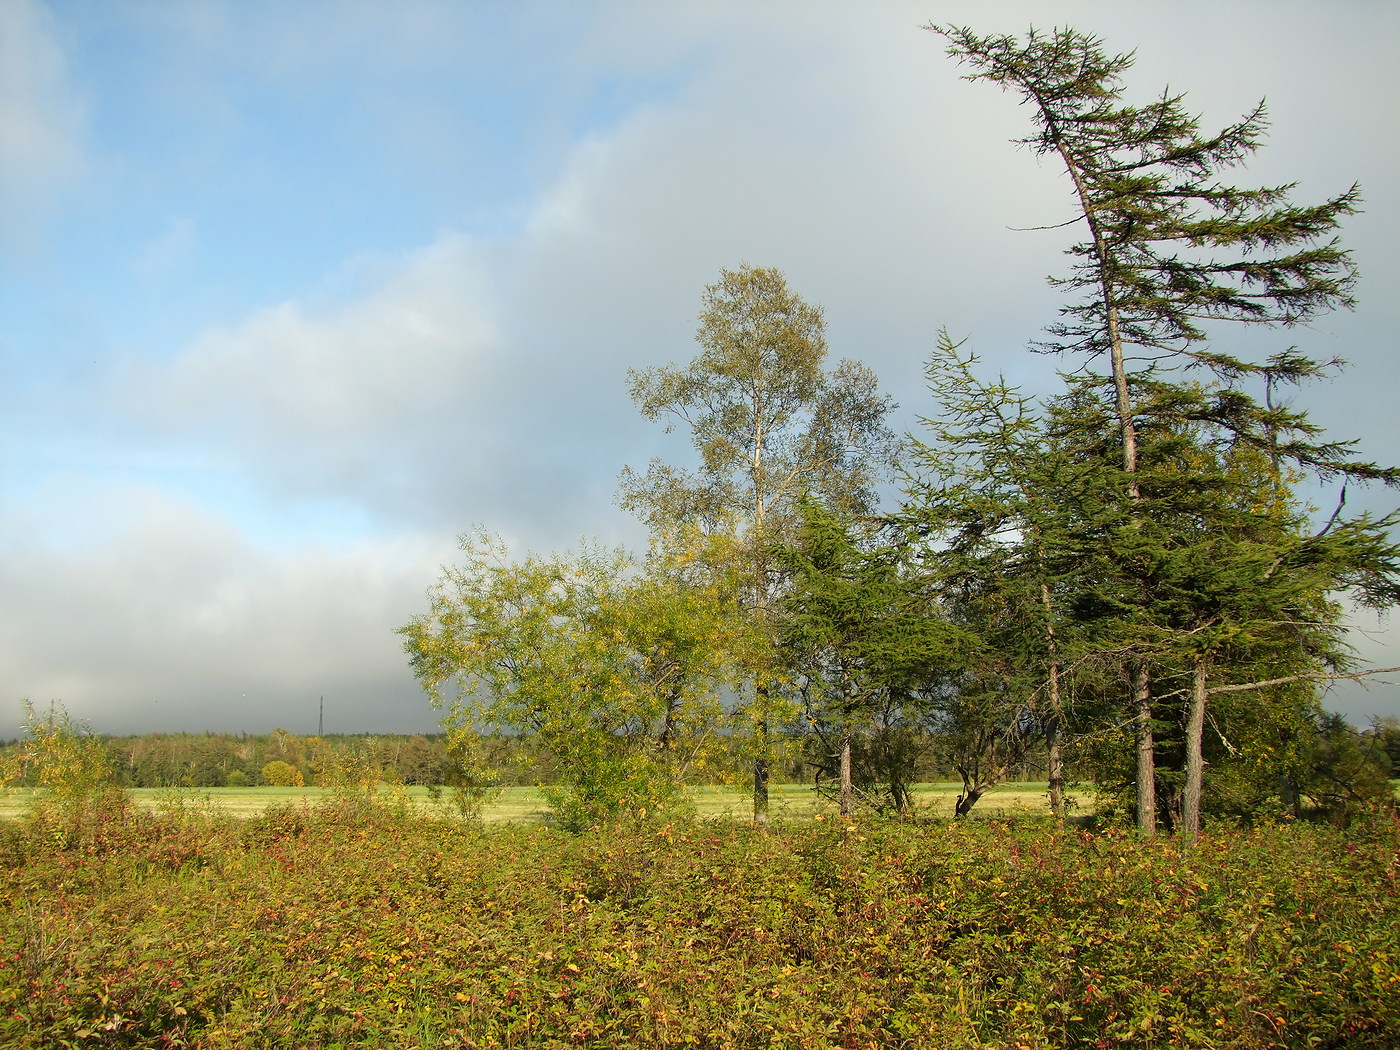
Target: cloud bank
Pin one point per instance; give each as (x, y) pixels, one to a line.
(324, 299)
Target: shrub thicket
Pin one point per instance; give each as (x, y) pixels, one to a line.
(358, 924)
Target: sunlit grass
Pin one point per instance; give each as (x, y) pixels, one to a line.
(527, 805)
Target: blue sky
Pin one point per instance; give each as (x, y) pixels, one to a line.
(291, 294)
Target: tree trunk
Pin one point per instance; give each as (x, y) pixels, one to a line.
(1127, 427)
(846, 792)
(760, 766)
(1055, 763)
(971, 792)
(1195, 729)
(966, 801)
(760, 690)
(760, 791)
(1146, 751)
(1054, 759)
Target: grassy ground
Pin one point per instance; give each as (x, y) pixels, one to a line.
(527, 804)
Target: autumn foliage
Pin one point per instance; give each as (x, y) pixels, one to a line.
(358, 924)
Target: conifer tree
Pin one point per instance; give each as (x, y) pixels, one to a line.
(981, 492)
(863, 639)
(1168, 248)
(1213, 580)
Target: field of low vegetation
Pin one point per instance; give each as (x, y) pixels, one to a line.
(530, 804)
(367, 914)
(361, 921)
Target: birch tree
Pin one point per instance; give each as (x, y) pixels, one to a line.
(767, 421)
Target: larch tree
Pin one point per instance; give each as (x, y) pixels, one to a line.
(1169, 248)
(864, 640)
(1213, 580)
(981, 491)
(767, 420)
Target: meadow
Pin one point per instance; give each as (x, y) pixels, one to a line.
(528, 805)
(369, 921)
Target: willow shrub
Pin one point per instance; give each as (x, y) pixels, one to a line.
(359, 924)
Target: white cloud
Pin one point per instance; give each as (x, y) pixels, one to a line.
(165, 254)
(1376, 642)
(338, 385)
(170, 617)
(480, 381)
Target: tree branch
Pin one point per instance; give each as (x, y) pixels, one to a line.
(1298, 678)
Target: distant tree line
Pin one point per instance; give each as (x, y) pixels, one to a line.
(280, 758)
(1336, 768)
(174, 760)
(1341, 759)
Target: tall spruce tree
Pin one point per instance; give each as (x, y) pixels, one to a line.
(1168, 249)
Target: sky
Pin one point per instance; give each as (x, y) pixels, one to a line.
(294, 294)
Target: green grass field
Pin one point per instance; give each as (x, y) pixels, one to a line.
(527, 805)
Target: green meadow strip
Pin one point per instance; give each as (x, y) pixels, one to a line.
(528, 804)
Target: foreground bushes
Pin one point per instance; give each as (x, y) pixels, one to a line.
(357, 925)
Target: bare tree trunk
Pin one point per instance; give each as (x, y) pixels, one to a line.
(846, 792)
(1146, 751)
(970, 794)
(1055, 762)
(761, 693)
(1195, 767)
(1054, 758)
(760, 769)
(1127, 428)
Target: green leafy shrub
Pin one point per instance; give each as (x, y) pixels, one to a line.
(474, 783)
(80, 798)
(627, 788)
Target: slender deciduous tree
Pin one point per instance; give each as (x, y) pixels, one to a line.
(767, 421)
(615, 668)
